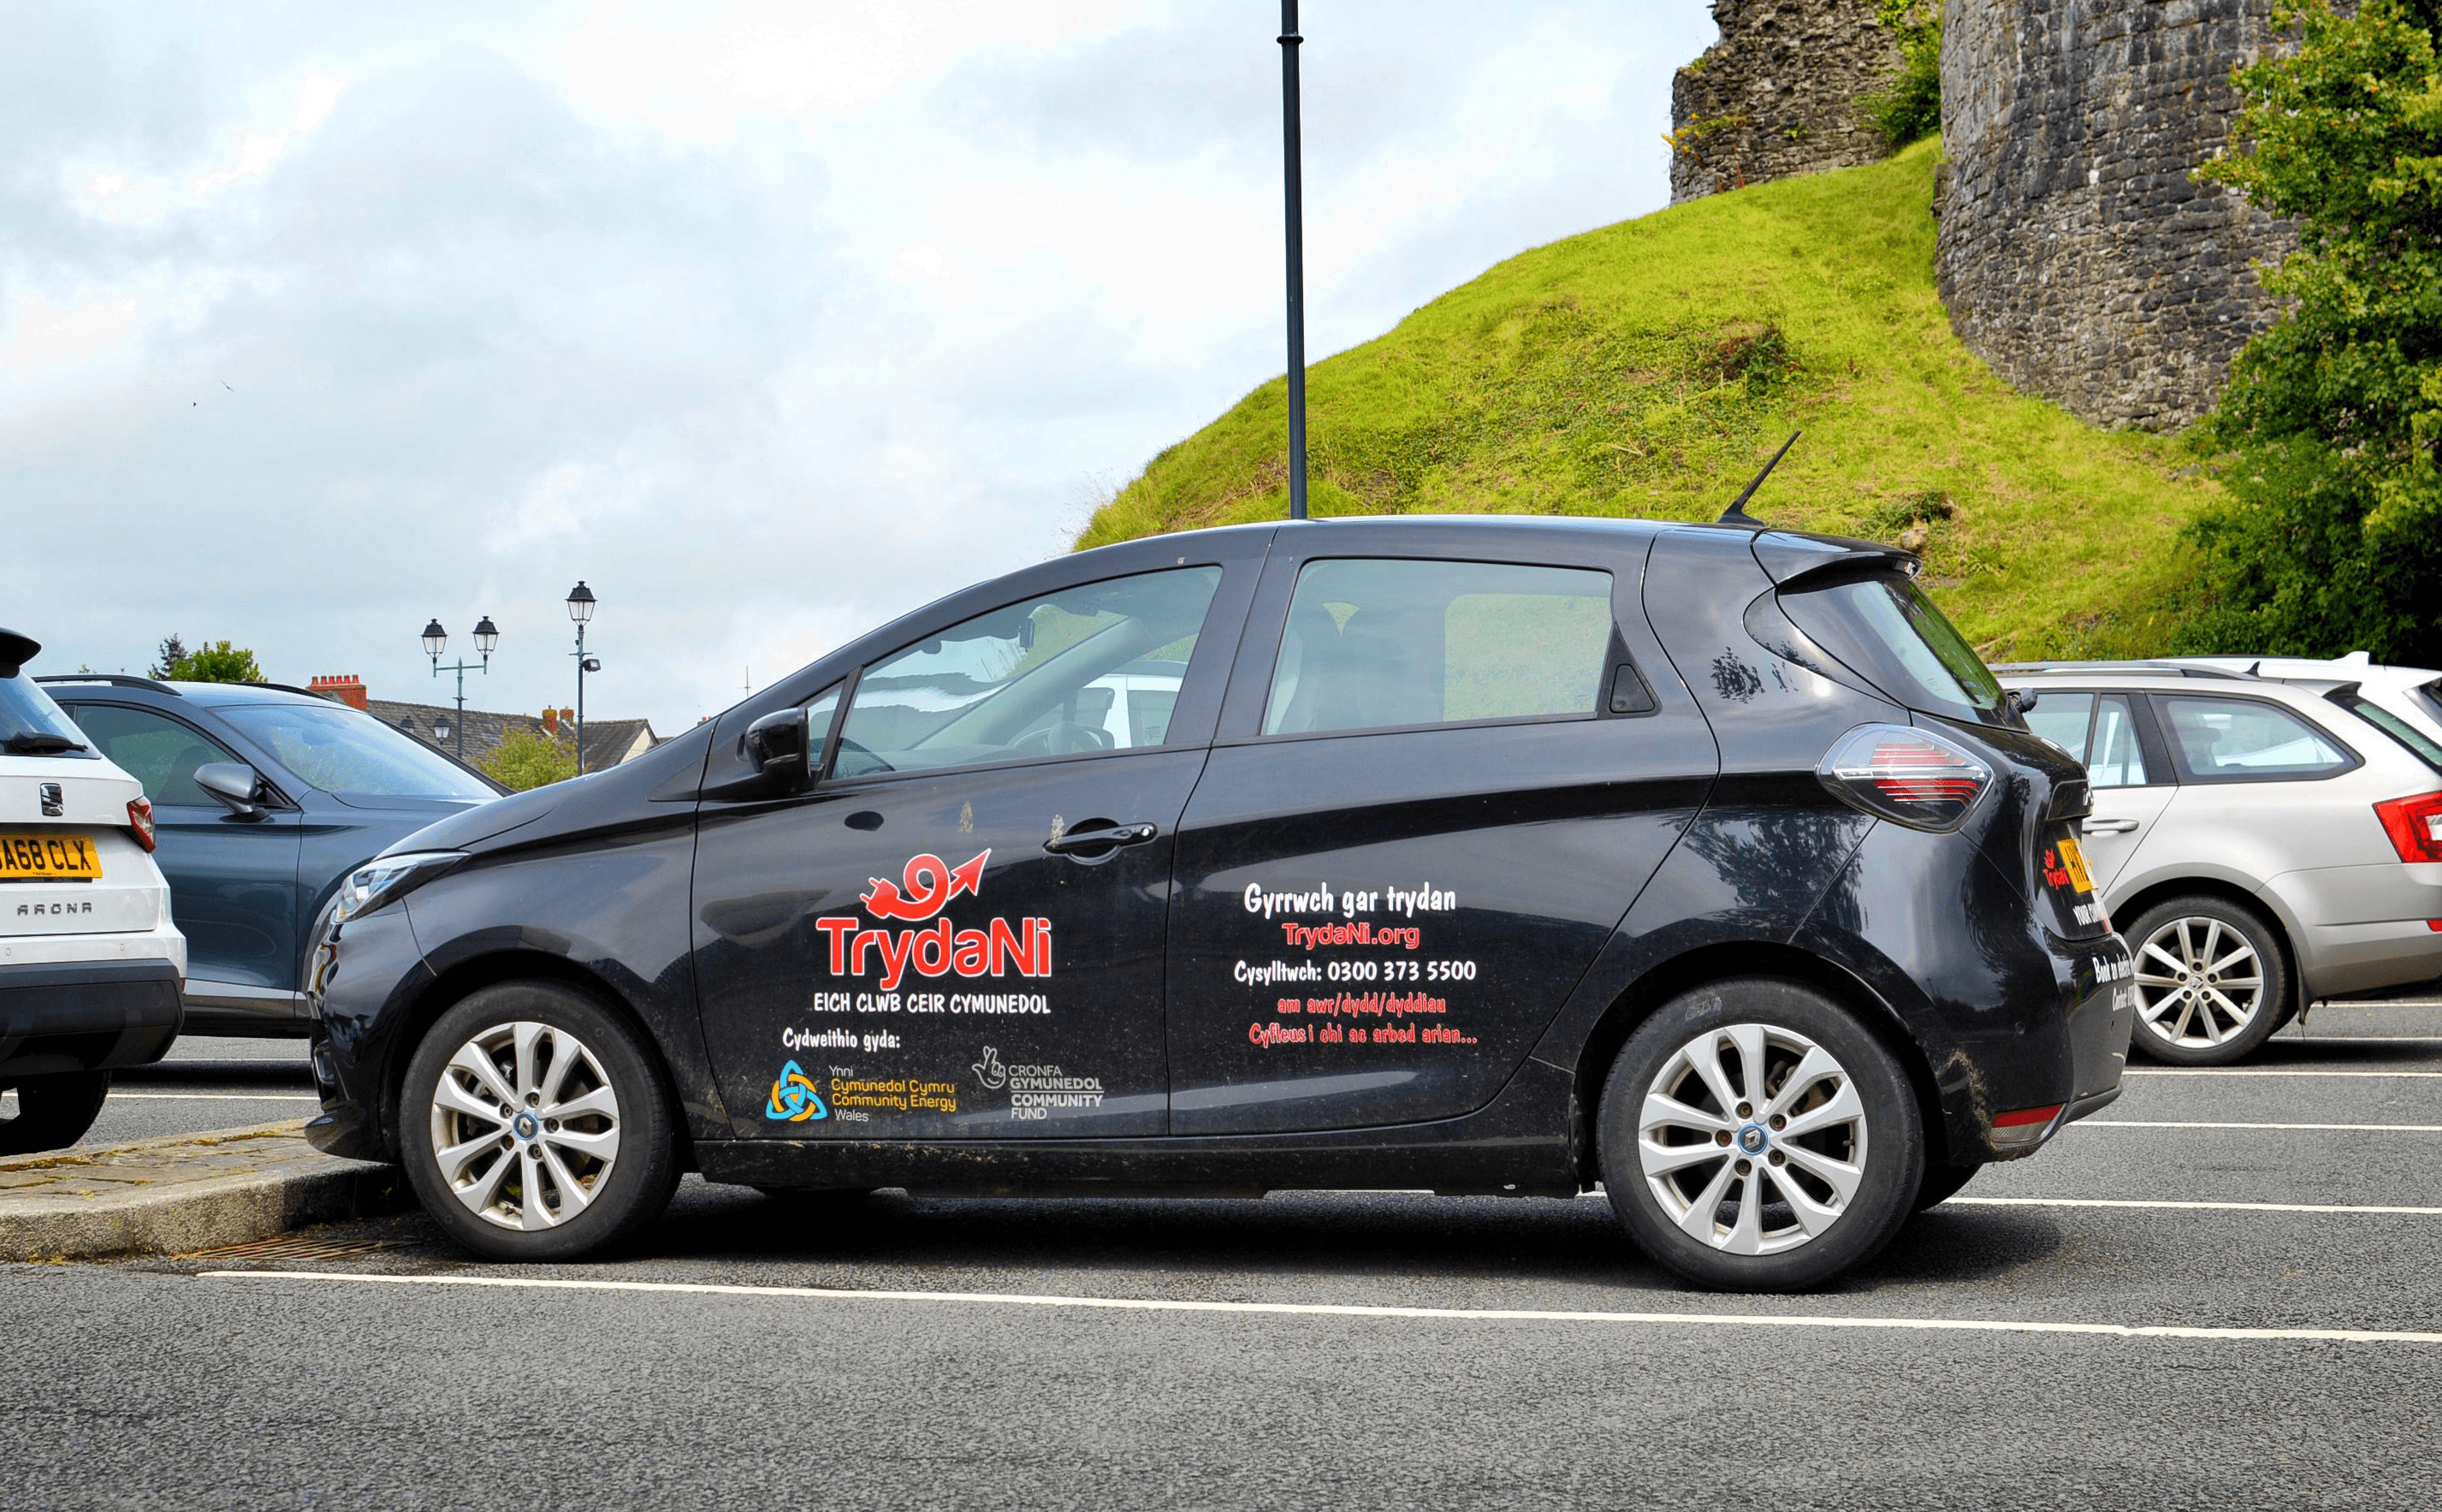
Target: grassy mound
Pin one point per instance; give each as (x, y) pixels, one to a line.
(1649, 368)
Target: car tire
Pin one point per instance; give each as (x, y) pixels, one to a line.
(536, 1125)
(1942, 1182)
(1671, 1152)
(2196, 957)
(53, 1112)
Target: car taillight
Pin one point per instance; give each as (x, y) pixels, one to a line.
(1913, 776)
(139, 821)
(2414, 825)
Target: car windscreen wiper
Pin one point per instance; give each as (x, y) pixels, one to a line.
(41, 742)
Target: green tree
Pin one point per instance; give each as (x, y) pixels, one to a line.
(2330, 538)
(173, 651)
(529, 758)
(1908, 106)
(213, 662)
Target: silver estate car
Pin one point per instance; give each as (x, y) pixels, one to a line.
(2262, 843)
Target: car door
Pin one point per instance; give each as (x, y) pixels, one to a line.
(1435, 795)
(2131, 786)
(958, 932)
(232, 880)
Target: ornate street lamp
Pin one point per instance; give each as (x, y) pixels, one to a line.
(487, 635)
(580, 609)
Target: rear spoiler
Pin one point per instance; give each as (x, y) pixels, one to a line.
(1788, 557)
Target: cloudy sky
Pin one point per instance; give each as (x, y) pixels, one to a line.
(769, 321)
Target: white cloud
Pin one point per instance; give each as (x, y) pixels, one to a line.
(771, 321)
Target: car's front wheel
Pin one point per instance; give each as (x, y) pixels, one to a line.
(1756, 1136)
(2210, 981)
(535, 1125)
(53, 1112)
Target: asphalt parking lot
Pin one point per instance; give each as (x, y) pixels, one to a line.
(2221, 1291)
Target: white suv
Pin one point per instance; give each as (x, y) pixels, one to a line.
(90, 965)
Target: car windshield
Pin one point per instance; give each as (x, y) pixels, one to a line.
(2417, 741)
(1887, 631)
(339, 750)
(32, 724)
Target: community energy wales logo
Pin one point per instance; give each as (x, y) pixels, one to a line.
(795, 1098)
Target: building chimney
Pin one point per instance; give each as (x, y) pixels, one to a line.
(349, 690)
(550, 722)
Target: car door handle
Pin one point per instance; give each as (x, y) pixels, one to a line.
(2107, 827)
(1100, 840)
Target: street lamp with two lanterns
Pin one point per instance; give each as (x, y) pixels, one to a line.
(487, 635)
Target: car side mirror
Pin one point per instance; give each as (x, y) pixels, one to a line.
(2023, 699)
(780, 746)
(233, 785)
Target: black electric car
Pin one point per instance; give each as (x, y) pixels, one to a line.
(1484, 855)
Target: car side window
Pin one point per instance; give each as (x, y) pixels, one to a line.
(2242, 739)
(2115, 759)
(2062, 719)
(1380, 644)
(157, 752)
(1092, 668)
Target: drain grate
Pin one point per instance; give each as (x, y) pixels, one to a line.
(290, 1246)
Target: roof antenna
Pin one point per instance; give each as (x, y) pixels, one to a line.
(1737, 514)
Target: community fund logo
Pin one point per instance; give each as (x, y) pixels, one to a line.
(1035, 1090)
(795, 1098)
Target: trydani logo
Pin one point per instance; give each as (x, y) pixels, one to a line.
(794, 1098)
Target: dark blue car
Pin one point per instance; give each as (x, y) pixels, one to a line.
(264, 798)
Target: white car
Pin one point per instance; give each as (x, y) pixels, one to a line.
(90, 965)
(2412, 693)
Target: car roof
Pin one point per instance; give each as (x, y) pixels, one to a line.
(208, 695)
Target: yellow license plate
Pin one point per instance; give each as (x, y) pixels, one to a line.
(2074, 860)
(58, 857)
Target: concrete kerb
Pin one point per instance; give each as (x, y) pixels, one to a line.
(183, 1192)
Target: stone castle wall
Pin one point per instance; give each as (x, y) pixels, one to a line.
(1777, 95)
(2074, 254)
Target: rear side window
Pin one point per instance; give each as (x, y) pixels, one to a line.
(157, 751)
(2420, 744)
(1888, 631)
(1383, 644)
(2245, 740)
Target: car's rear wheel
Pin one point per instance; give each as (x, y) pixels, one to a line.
(1756, 1136)
(53, 1112)
(2211, 982)
(535, 1125)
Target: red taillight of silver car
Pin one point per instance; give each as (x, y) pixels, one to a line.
(139, 821)
(2414, 825)
(1912, 777)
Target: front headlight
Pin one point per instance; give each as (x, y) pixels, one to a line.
(384, 878)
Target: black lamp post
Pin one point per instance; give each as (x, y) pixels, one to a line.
(486, 636)
(580, 609)
(1293, 195)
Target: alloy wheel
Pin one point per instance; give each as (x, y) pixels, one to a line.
(2199, 982)
(525, 1125)
(1752, 1137)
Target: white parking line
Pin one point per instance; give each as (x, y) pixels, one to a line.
(2354, 1128)
(214, 1096)
(1502, 1315)
(2202, 1070)
(2216, 1207)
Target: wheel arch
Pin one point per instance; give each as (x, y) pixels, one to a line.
(1727, 961)
(471, 976)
